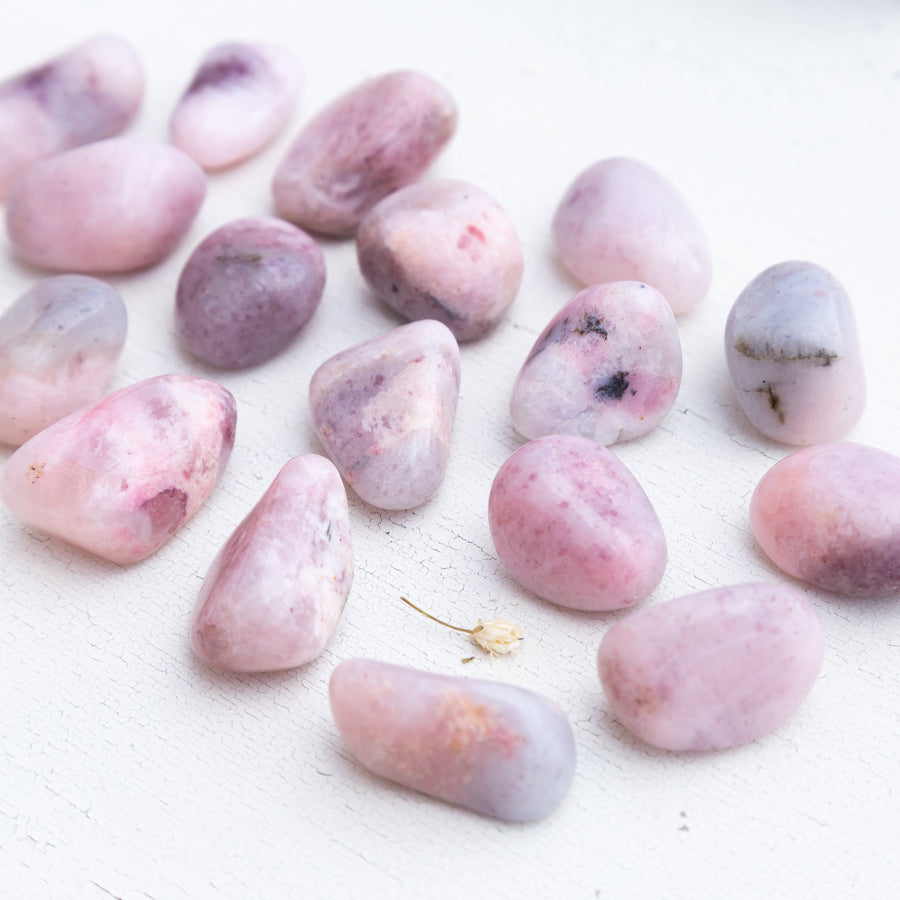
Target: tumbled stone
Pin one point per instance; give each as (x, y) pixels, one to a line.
(442, 250)
(794, 357)
(572, 524)
(119, 478)
(91, 91)
(240, 98)
(622, 221)
(110, 206)
(714, 669)
(59, 344)
(607, 367)
(384, 411)
(378, 137)
(273, 595)
(247, 290)
(494, 748)
(830, 515)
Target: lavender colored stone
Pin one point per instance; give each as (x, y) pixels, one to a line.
(384, 411)
(572, 524)
(830, 515)
(132, 200)
(273, 595)
(622, 221)
(442, 250)
(493, 748)
(91, 91)
(714, 669)
(247, 290)
(240, 98)
(119, 478)
(607, 367)
(371, 141)
(794, 357)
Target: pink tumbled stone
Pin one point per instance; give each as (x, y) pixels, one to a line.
(572, 524)
(494, 748)
(830, 515)
(622, 221)
(111, 206)
(273, 595)
(714, 669)
(119, 478)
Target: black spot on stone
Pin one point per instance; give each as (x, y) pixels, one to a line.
(613, 388)
(591, 324)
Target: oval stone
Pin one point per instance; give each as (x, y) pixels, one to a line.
(830, 515)
(714, 669)
(572, 524)
(494, 748)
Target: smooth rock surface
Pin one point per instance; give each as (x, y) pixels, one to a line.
(714, 669)
(494, 748)
(59, 344)
(119, 478)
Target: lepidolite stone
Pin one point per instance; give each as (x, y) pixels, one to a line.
(273, 595)
(119, 478)
(442, 250)
(240, 98)
(378, 137)
(714, 669)
(384, 411)
(830, 515)
(622, 221)
(247, 290)
(607, 367)
(110, 206)
(89, 92)
(572, 524)
(793, 355)
(493, 748)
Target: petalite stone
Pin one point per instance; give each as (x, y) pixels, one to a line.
(442, 250)
(794, 357)
(714, 669)
(493, 748)
(622, 221)
(572, 524)
(240, 98)
(247, 290)
(59, 344)
(830, 515)
(378, 137)
(273, 595)
(607, 367)
(89, 92)
(111, 206)
(384, 411)
(119, 478)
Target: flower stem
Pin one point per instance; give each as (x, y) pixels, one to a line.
(435, 618)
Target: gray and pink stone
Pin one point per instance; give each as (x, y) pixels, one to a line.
(712, 670)
(119, 478)
(379, 137)
(607, 367)
(830, 515)
(91, 91)
(275, 592)
(384, 411)
(442, 250)
(246, 291)
(794, 356)
(570, 522)
(240, 98)
(494, 748)
(133, 201)
(59, 345)
(620, 220)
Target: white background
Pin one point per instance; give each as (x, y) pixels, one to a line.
(129, 770)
